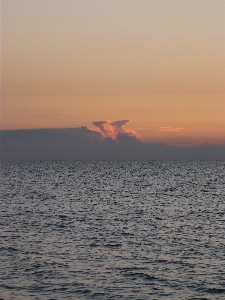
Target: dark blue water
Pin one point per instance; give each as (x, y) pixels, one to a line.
(112, 230)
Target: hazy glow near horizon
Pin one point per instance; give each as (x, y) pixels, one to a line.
(160, 64)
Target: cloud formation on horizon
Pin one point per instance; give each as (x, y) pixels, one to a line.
(85, 144)
(112, 129)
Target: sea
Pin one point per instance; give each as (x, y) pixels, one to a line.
(112, 230)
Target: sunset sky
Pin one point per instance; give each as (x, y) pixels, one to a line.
(158, 63)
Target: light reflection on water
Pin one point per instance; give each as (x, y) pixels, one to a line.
(111, 230)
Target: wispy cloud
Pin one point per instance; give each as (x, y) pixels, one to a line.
(171, 129)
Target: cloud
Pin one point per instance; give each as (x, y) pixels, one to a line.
(85, 144)
(112, 129)
(102, 126)
(171, 129)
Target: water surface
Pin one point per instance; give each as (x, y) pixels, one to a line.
(112, 230)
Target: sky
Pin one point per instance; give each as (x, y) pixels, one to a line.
(158, 63)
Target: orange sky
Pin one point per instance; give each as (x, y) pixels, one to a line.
(160, 64)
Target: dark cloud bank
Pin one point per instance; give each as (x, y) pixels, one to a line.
(113, 143)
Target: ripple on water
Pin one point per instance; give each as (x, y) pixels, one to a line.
(110, 230)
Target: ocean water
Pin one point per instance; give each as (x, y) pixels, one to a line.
(112, 230)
